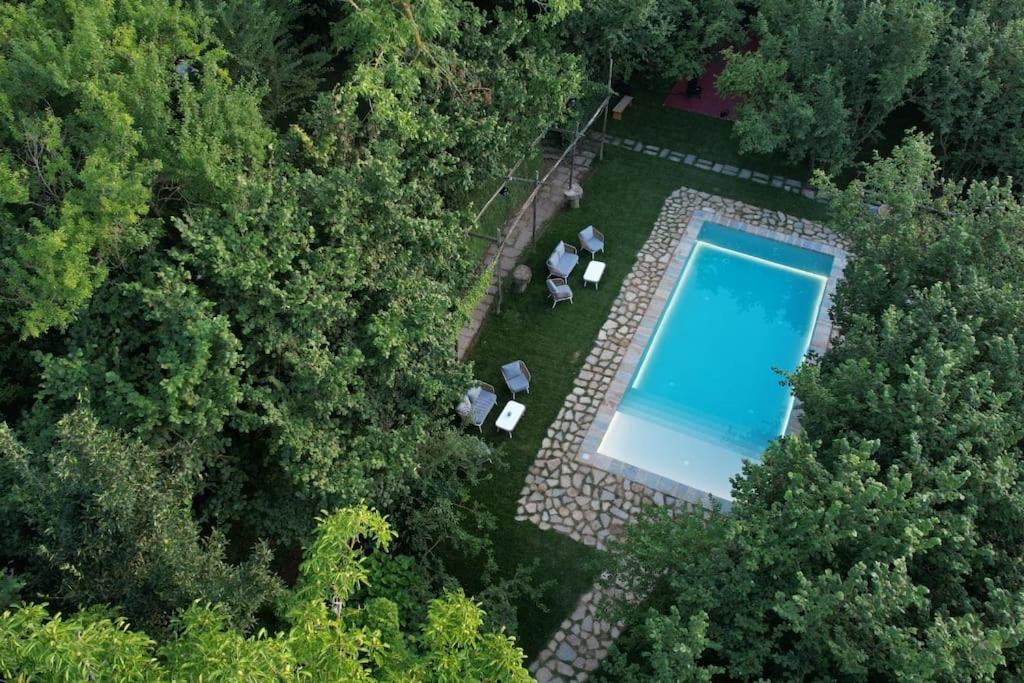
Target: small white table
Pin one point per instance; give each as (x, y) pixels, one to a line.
(593, 273)
(510, 416)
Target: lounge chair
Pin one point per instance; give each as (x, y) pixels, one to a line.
(517, 377)
(476, 404)
(558, 290)
(592, 240)
(562, 260)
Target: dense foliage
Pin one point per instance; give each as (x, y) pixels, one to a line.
(108, 520)
(828, 81)
(885, 542)
(826, 75)
(233, 267)
(215, 327)
(666, 38)
(110, 113)
(970, 95)
(260, 38)
(328, 635)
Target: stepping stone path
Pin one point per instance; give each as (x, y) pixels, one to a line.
(779, 182)
(589, 504)
(580, 644)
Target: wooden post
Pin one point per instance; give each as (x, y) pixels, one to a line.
(607, 106)
(497, 273)
(536, 194)
(572, 154)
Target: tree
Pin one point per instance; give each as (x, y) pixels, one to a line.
(262, 47)
(108, 519)
(971, 93)
(99, 131)
(670, 38)
(461, 90)
(673, 652)
(284, 336)
(327, 637)
(302, 334)
(826, 75)
(885, 543)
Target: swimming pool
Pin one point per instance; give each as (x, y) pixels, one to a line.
(706, 393)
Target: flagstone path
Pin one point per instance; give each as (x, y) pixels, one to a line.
(589, 504)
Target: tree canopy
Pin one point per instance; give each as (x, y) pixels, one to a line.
(110, 113)
(267, 329)
(884, 542)
(234, 265)
(108, 520)
(826, 75)
(326, 634)
(666, 38)
(970, 94)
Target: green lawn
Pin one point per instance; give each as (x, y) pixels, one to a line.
(646, 119)
(623, 197)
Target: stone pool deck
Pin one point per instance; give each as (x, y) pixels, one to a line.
(591, 504)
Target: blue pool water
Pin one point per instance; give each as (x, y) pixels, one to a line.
(706, 394)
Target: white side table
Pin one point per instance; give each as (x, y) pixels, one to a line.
(510, 416)
(593, 273)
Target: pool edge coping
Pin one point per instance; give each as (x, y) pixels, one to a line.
(821, 337)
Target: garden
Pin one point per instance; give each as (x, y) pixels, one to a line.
(237, 258)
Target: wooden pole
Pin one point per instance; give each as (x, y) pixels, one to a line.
(536, 194)
(497, 269)
(572, 154)
(607, 106)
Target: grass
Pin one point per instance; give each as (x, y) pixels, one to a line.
(647, 120)
(624, 200)
(623, 197)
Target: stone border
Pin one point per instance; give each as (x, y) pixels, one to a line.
(587, 503)
(629, 361)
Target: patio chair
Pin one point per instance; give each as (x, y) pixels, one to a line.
(562, 260)
(476, 404)
(592, 240)
(558, 290)
(517, 377)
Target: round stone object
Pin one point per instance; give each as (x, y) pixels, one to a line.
(521, 276)
(574, 194)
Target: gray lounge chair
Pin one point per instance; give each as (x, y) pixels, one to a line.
(517, 377)
(558, 290)
(562, 260)
(476, 404)
(592, 240)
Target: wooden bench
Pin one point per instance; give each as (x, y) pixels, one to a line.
(621, 107)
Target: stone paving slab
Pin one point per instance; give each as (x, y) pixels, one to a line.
(786, 184)
(580, 644)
